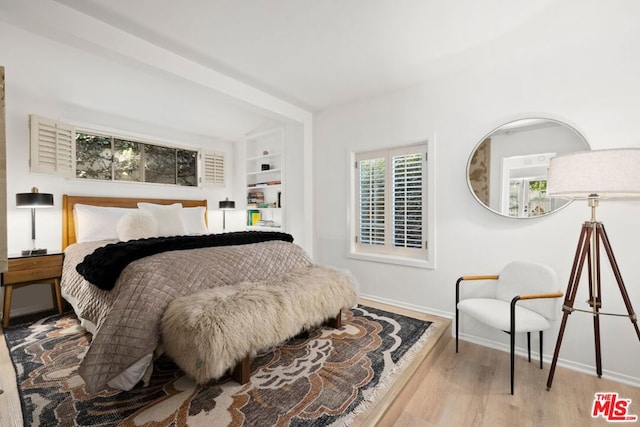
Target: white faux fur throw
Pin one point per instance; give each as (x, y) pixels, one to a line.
(209, 332)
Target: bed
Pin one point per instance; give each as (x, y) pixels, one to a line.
(125, 320)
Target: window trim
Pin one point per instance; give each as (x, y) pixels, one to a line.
(353, 252)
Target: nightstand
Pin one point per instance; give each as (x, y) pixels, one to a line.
(44, 269)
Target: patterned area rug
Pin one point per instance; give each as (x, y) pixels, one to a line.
(325, 379)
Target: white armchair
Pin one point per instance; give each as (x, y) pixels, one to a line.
(526, 300)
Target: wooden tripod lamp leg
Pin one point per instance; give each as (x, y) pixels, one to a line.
(584, 254)
(581, 256)
(618, 276)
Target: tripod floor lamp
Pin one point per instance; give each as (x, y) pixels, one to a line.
(593, 175)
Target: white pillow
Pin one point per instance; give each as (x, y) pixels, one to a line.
(193, 219)
(168, 217)
(136, 225)
(95, 223)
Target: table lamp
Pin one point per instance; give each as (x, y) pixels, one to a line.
(225, 205)
(34, 200)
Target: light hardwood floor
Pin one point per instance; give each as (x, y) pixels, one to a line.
(470, 388)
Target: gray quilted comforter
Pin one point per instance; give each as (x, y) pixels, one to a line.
(127, 318)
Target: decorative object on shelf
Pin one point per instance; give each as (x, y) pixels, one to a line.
(265, 153)
(34, 200)
(593, 175)
(225, 205)
(265, 167)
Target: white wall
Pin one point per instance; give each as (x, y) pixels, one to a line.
(576, 64)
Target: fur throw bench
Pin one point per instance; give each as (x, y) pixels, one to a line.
(218, 329)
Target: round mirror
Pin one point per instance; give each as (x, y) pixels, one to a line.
(507, 171)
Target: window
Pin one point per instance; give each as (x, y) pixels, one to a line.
(390, 203)
(61, 149)
(109, 158)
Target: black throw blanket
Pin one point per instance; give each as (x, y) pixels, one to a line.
(103, 267)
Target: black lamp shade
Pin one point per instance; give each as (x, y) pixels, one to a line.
(227, 204)
(34, 200)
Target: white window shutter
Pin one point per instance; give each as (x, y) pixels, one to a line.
(52, 147)
(372, 201)
(407, 200)
(213, 169)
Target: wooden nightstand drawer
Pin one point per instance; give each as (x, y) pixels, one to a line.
(33, 268)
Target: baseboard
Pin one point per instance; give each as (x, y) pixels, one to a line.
(413, 307)
(574, 366)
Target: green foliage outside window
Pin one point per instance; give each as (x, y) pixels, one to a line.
(93, 156)
(127, 160)
(540, 185)
(107, 158)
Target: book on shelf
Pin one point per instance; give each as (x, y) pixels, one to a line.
(267, 223)
(255, 198)
(256, 217)
(265, 183)
(253, 216)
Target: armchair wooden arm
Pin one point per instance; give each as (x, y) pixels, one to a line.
(477, 277)
(517, 298)
(537, 296)
(486, 277)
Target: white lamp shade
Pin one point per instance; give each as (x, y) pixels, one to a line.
(598, 173)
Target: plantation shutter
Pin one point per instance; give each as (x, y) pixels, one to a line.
(372, 201)
(213, 169)
(52, 147)
(407, 200)
(390, 200)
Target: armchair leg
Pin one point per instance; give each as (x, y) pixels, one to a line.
(513, 345)
(460, 279)
(540, 349)
(512, 333)
(529, 346)
(456, 326)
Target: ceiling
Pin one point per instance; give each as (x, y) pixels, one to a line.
(253, 64)
(318, 54)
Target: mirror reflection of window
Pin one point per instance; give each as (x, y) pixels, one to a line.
(524, 186)
(528, 197)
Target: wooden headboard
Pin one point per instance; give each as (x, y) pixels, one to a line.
(68, 202)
